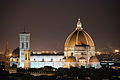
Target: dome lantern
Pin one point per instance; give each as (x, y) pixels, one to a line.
(79, 25)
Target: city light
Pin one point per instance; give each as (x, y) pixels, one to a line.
(116, 51)
(98, 52)
(10, 54)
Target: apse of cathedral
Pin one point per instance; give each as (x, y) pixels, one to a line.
(79, 50)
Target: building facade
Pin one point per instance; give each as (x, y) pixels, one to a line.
(24, 44)
(79, 50)
(80, 46)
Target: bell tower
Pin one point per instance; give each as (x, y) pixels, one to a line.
(26, 59)
(24, 44)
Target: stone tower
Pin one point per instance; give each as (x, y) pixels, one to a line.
(26, 59)
(24, 44)
(7, 57)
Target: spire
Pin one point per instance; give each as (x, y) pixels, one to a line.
(7, 56)
(79, 25)
(7, 50)
(6, 46)
(24, 29)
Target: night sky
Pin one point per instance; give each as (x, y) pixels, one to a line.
(51, 21)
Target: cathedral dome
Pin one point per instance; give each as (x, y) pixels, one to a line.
(79, 37)
(15, 52)
(70, 59)
(94, 59)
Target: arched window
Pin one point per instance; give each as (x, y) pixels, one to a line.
(26, 44)
(42, 60)
(25, 56)
(11, 59)
(34, 59)
(17, 59)
(51, 60)
(22, 45)
(60, 59)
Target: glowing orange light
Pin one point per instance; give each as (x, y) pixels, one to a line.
(10, 54)
(116, 50)
(98, 52)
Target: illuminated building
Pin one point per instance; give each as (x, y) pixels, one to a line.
(79, 50)
(24, 44)
(80, 46)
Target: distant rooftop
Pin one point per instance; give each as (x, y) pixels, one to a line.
(44, 54)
